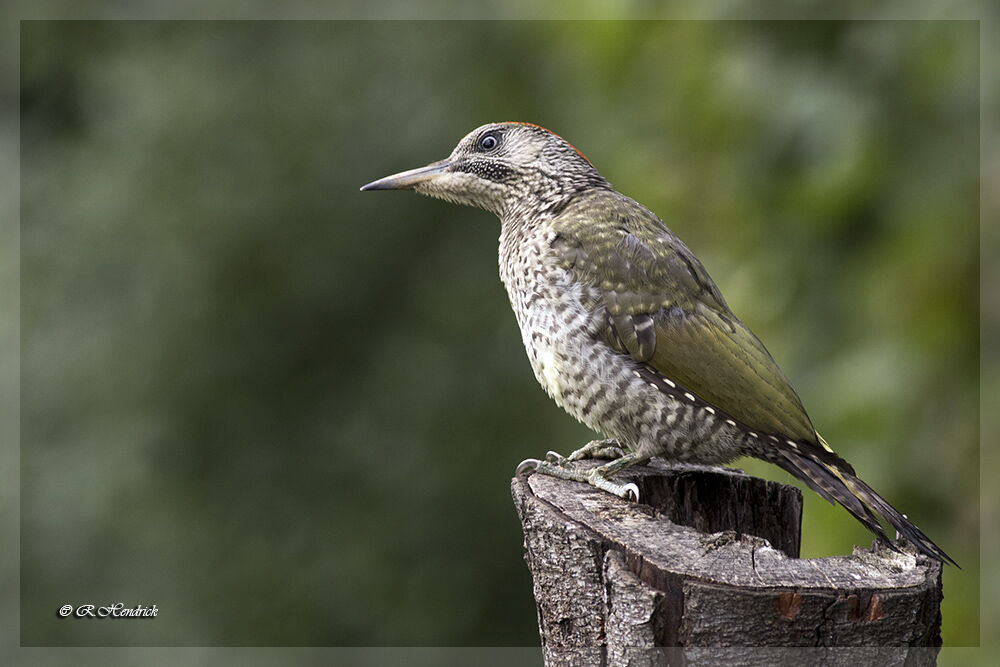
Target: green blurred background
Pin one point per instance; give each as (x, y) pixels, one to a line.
(287, 412)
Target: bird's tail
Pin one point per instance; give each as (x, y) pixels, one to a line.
(835, 480)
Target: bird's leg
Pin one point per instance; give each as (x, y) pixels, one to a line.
(595, 449)
(597, 477)
(599, 449)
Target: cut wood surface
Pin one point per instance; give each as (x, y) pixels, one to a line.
(708, 561)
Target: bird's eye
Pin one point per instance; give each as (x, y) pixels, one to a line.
(488, 142)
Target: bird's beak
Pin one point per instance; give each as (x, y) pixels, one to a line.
(406, 180)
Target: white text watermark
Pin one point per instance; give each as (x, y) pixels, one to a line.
(116, 610)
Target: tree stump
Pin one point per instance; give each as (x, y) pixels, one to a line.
(705, 570)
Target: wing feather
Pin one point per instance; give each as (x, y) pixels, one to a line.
(664, 310)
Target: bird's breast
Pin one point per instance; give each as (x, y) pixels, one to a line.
(556, 315)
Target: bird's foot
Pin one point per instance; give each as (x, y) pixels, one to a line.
(559, 466)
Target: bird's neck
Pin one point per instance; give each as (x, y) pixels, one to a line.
(526, 232)
(543, 196)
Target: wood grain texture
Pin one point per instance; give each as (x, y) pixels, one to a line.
(694, 577)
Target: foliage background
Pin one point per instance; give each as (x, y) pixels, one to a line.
(287, 412)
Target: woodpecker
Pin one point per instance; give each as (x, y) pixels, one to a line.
(625, 329)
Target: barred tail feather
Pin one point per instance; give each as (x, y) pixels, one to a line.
(822, 472)
(903, 525)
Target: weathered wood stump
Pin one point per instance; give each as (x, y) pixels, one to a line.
(705, 570)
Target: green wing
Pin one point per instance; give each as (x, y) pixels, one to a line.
(664, 310)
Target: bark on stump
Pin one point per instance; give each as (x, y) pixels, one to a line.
(705, 571)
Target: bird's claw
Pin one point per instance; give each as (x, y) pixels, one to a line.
(526, 467)
(631, 492)
(554, 457)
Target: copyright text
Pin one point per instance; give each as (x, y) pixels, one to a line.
(117, 610)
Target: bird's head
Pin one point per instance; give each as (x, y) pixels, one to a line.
(501, 166)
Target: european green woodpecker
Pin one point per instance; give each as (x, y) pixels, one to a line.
(625, 329)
